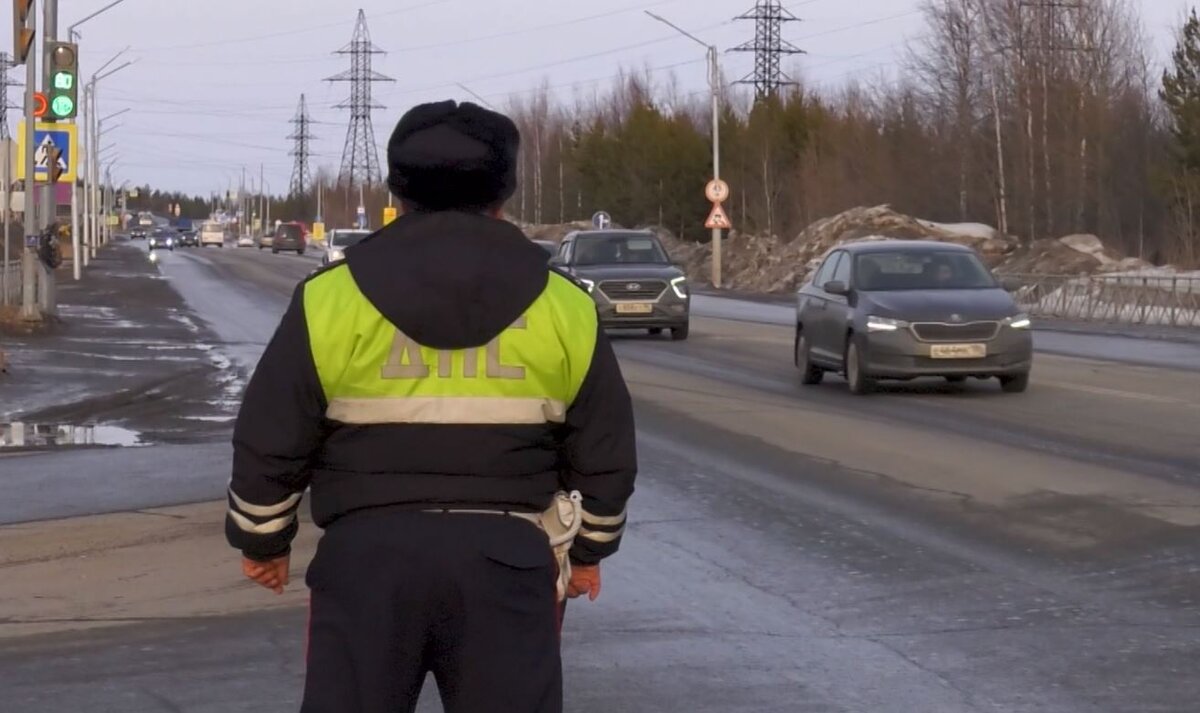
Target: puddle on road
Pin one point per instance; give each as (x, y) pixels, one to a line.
(40, 435)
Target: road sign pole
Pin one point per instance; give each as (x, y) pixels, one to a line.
(47, 291)
(7, 221)
(29, 308)
(715, 81)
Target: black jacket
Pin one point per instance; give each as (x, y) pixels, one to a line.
(449, 281)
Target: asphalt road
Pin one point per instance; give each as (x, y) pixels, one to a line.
(930, 548)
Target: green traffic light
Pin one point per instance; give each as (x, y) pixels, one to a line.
(64, 80)
(62, 106)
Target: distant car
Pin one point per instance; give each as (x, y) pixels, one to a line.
(905, 309)
(212, 233)
(549, 246)
(163, 239)
(189, 239)
(289, 236)
(631, 278)
(338, 241)
(245, 241)
(266, 240)
(137, 234)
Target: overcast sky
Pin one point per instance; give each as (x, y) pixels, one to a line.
(216, 81)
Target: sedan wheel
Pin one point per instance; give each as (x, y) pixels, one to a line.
(809, 373)
(856, 377)
(680, 334)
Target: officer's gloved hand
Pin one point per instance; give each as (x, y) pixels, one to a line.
(585, 579)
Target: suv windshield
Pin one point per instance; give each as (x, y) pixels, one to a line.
(618, 249)
(921, 270)
(346, 238)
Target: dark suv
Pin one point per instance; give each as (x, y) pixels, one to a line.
(631, 277)
(289, 236)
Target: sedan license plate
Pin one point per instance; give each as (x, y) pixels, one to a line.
(958, 351)
(634, 308)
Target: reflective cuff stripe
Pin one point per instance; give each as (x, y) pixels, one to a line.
(603, 521)
(264, 510)
(598, 536)
(447, 410)
(269, 527)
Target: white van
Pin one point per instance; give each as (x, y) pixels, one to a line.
(212, 233)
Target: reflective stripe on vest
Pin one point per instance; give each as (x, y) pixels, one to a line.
(373, 373)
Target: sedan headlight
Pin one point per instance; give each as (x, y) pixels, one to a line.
(885, 324)
(170, 242)
(1019, 321)
(588, 285)
(679, 284)
(335, 255)
(152, 242)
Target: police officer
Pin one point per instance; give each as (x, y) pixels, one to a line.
(435, 390)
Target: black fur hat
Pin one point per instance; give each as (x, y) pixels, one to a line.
(447, 156)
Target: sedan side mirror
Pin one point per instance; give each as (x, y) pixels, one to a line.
(557, 261)
(837, 287)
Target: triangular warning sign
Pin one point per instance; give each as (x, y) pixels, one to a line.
(717, 218)
(41, 157)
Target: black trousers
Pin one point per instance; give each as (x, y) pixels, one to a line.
(470, 598)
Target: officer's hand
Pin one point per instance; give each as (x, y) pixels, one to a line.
(585, 579)
(273, 575)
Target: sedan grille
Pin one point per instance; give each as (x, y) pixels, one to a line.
(965, 332)
(633, 289)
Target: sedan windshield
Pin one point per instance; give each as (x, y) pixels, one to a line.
(346, 238)
(618, 249)
(921, 270)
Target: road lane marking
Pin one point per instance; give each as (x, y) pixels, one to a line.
(1102, 391)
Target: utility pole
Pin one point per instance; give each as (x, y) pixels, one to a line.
(768, 47)
(360, 156)
(47, 285)
(6, 64)
(262, 204)
(303, 137)
(29, 306)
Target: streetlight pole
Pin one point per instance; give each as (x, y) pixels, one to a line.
(73, 35)
(91, 178)
(714, 82)
(94, 144)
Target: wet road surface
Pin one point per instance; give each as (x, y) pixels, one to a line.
(931, 548)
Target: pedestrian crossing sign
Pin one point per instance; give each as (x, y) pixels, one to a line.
(46, 136)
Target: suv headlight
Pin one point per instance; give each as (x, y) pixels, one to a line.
(588, 285)
(679, 284)
(1019, 321)
(885, 324)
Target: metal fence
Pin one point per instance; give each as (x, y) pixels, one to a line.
(10, 282)
(1160, 300)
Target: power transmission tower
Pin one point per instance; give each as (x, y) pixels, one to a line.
(5, 83)
(303, 137)
(768, 47)
(360, 157)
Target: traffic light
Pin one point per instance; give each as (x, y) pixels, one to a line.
(22, 35)
(64, 79)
